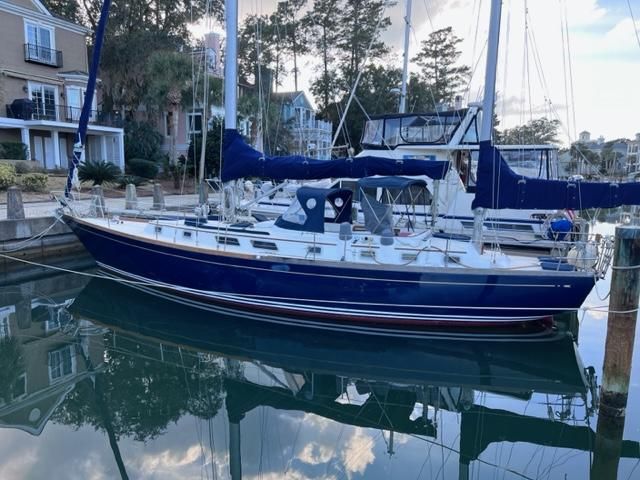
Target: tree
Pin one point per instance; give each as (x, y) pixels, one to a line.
(141, 140)
(289, 32)
(535, 132)
(140, 394)
(375, 95)
(581, 154)
(67, 9)
(610, 160)
(135, 30)
(267, 117)
(321, 23)
(212, 152)
(359, 32)
(168, 81)
(11, 367)
(437, 58)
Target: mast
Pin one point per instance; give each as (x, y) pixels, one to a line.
(81, 133)
(405, 64)
(488, 102)
(230, 65)
(490, 73)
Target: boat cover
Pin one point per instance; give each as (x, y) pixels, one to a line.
(312, 201)
(390, 182)
(500, 187)
(240, 161)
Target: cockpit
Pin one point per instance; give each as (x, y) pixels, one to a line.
(412, 129)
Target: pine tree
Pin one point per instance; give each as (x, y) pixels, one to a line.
(321, 24)
(438, 57)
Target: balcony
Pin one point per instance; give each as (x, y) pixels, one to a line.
(34, 53)
(28, 110)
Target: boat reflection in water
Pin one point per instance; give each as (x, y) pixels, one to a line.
(129, 364)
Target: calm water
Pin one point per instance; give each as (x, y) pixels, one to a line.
(98, 380)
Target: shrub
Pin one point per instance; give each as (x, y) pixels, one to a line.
(13, 151)
(35, 182)
(22, 167)
(212, 153)
(125, 180)
(7, 176)
(142, 168)
(141, 140)
(98, 172)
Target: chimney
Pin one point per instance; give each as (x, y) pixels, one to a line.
(584, 137)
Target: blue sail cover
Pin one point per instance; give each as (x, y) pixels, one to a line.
(500, 187)
(240, 160)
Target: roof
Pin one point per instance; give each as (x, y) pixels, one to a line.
(74, 72)
(287, 96)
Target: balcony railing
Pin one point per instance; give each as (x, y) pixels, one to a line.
(38, 54)
(62, 113)
(313, 125)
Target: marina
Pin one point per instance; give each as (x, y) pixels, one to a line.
(433, 298)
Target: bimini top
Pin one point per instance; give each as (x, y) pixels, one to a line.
(500, 187)
(308, 213)
(390, 182)
(240, 160)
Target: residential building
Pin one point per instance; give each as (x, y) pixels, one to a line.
(180, 125)
(311, 137)
(43, 79)
(54, 359)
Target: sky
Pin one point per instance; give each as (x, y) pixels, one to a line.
(597, 90)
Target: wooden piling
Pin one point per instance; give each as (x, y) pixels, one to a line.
(15, 207)
(621, 328)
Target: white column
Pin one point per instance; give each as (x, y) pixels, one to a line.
(120, 159)
(25, 138)
(103, 148)
(55, 140)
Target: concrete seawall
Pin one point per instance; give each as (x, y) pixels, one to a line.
(55, 247)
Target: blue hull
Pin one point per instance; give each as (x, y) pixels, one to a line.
(338, 291)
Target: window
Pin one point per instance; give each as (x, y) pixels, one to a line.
(44, 100)
(5, 315)
(62, 363)
(75, 100)
(19, 388)
(264, 245)
(194, 123)
(40, 42)
(211, 61)
(228, 241)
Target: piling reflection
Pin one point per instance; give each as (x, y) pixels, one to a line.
(130, 365)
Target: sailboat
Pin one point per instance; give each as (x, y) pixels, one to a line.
(308, 263)
(450, 133)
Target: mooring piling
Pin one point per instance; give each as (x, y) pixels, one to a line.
(158, 197)
(131, 199)
(621, 328)
(15, 207)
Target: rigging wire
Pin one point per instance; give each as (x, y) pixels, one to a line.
(360, 72)
(570, 63)
(633, 21)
